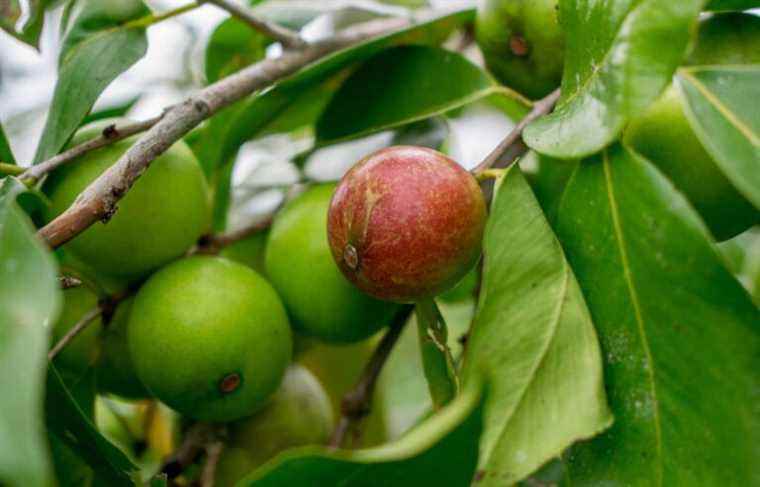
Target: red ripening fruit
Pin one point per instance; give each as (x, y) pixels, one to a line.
(406, 223)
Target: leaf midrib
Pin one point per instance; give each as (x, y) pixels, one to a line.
(614, 212)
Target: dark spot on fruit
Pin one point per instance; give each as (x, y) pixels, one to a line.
(229, 383)
(518, 45)
(479, 475)
(351, 257)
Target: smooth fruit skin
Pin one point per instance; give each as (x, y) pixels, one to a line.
(522, 43)
(85, 349)
(321, 303)
(210, 338)
(406, 223)
(116, 372)
(727, 38)
(163, 214)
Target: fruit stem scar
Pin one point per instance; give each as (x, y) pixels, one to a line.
(229, 383)
(518, 45)
(351, 257)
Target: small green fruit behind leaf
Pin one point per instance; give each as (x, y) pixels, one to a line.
(163, 214)
(116, 372)
(727, 38)
(406, 223)
(664, 136)
(83, 351)
(210, 338)
(320, 301)
(523, 43)
(298, 414)
(249, 251)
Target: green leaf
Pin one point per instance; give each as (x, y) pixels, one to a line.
(443, 450)
(534, 341)
(680, 336)
(98, 46)
(232, 46)
(401, 85)
(620, 55)
(29, 303)
(723, 107)
(71, 425)
(732, 4)
(6, 154)
(29, 32)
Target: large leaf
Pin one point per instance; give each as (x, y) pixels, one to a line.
(29, 302)
(98, 46)
(620, 55)
(534, 342)
(680, 336)
(28, 31)
(443, 450)
(71, 425)
(732, 4)
(232, 46)
(6, 154)
(399, 86)
(723, 107)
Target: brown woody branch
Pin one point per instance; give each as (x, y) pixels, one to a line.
(513, 146)
(213, 243)
(355, 405)
(112, 133)
(284, 36)
(99, 199)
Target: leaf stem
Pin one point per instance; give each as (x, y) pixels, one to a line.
(512, 147)
(10, 169)
(153, 19)
(436, 355)
(285, 36)
(83, 323)
(355, 405)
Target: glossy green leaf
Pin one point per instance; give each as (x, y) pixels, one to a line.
(233, 45)
(71, 424)
(723, 107)
(534, 342)
(6, 154)
(29, 302)
(98, 46)
(732, 4)
(25, 24)
(401, 85)
(620, 55)
(680, 337)
(443, 450)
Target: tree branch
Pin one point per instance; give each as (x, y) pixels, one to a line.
(68, 282)
(195, 438)
(285, 36)
(356, 402)
(212, 244)
(110, 134)
(513, 146)
(98, 201)
(75, 330)
(213, 453)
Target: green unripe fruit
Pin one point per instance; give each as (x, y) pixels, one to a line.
(522, 43)
(210, 338)
(83, 351)
(298, 414)
(249, 251)
(727, 38)
(160, 217)
(320, 301)
(116, 372)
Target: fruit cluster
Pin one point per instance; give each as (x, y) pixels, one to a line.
(212, 337)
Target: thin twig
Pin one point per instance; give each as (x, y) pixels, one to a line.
(513, 146)
(112, 133)
(88, 318)
(68, 282)
(98, 201)
(196, 437)
(213, 453)
(285, 36)
(212, 244)
(356, 402)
